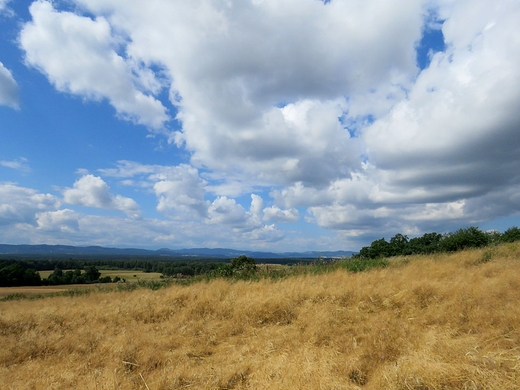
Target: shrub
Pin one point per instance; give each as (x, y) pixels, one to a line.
(428, 243)
(378, 248)
(92, 274)
(510, 235)
(243, 266)
(105, 279)
(471, 237)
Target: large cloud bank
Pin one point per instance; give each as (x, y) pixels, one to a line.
(319, 104)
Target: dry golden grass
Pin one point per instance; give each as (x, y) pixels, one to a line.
(438, 322)
(41, 290)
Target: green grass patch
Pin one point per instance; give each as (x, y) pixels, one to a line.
(359, 265)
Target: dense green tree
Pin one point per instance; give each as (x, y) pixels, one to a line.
(77, 277)
(378, 248)
(428, 243)
(494, 237)
(105, 279)
(91, 274)
(187, 271)
(15, 274)
(471, 237)
(56, 278)
(32, 277)
(243, 264)
(510, 235)
(398, 245)
(223, 270)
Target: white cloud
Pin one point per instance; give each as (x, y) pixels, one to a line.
(78, 55)
(126, 169)
(71, 228)
(225, 211)
(456, 136)
(180, 189)
(21, 205)
(92, 191)
(322, 105)
(9, 95)
(4, 9)
(274, 213)
(19, 164)
(181, 192)
(267, 234)
(65, 221)
(231, 71)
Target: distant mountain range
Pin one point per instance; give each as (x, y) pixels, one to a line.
(222, 253)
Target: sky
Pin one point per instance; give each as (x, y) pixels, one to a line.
(280, 125)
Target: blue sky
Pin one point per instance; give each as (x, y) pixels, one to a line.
(280, 125)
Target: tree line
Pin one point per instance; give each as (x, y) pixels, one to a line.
(146, 265)
(466, 238)
(70, 271)
(14, 272)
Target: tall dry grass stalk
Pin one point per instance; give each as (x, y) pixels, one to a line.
(438, 322)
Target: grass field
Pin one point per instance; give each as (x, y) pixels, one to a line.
(31, 291)
(423, 323)
(130, 276)
(38, 290)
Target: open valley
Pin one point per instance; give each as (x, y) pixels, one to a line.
(446, 321)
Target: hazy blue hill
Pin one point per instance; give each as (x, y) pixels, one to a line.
(66, 250)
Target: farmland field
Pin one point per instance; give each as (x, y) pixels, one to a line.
(128, 275)
(38, 290)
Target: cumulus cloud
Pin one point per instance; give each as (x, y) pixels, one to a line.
(231, 73)
(65, 221)
(225, 211)
(8, 88)
(321, 104)
(456, 137)
(181, 193)
(22, 205)
(267, 233)
(180, 189)
(248, 224)
(274, 213)
(79, 56)
(92, 191)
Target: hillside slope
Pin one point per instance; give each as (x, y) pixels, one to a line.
(437, 322)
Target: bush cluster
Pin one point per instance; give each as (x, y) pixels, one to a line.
(241, 267)
(466, 238)
(91, 275)
(192, 268)
(14, 274)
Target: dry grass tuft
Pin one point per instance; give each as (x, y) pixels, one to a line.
(429, 322)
